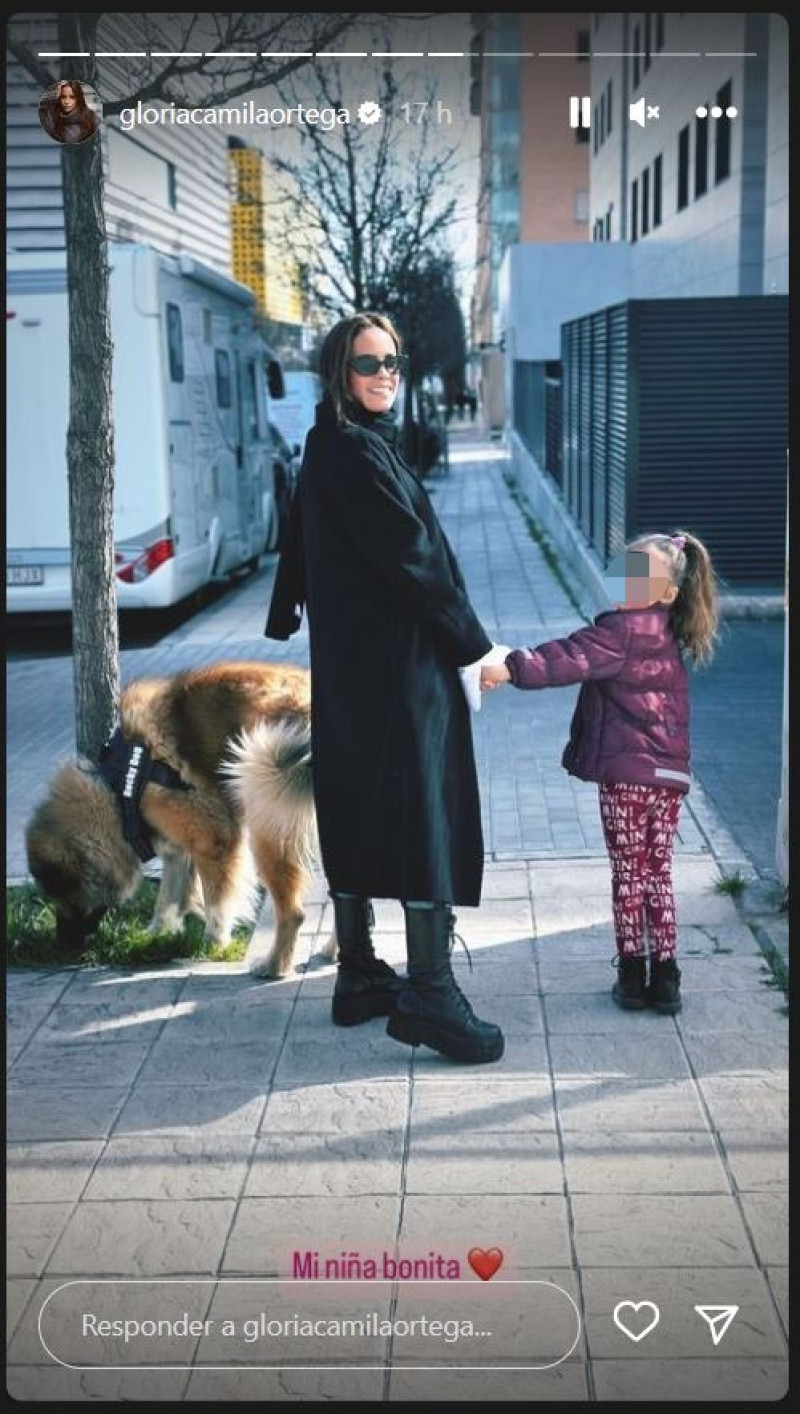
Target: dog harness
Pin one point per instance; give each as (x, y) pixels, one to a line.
(127, 767)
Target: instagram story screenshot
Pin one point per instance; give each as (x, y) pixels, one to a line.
(397, 684)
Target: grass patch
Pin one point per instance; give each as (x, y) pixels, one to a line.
(778, 975)
(121, 937)
(731, 884)
(536, 533)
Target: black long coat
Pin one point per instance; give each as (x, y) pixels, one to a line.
(389, 620)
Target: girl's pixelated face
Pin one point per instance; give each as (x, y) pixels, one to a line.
(639, 578)
(67, 99)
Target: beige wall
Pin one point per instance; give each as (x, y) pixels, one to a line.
(554, 166)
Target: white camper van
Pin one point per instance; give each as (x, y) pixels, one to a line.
(194, 495)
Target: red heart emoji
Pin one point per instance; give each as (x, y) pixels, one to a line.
(485, 1263)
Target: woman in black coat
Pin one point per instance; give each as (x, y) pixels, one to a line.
(390, 623)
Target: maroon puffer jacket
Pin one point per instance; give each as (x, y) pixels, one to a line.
(631, 720)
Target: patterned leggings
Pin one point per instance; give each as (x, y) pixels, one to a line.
(639, 824)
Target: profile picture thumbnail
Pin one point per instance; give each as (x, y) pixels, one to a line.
(69, 111)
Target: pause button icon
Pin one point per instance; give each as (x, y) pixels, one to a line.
(580, 112)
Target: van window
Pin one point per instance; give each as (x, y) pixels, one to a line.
(252, 402)
(175, 343)
(222, 365)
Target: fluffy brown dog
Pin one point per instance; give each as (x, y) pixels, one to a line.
(238, 735)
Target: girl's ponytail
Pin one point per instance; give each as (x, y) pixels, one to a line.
(695, 612)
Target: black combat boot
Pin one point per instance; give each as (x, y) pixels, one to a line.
(664, 992)
(630, 989)
(365, 985)
(431, 1009)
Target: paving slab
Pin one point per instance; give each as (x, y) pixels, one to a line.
(268, 1231)
(532, 1230)
(313, 1386)
(757, 1157)
(143, 1238)
(717, 1379)
(767, 1217)
(54, 1385)
(49, 1172)
(616, 1161)
(499, 1163)
(326, 1164)
(171, 1167)
(778, 1278)
(650, 1106)
(610, 1057)
(58, 1112)
(629, 1230)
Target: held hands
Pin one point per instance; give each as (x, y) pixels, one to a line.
(471, 676)
(494, 676)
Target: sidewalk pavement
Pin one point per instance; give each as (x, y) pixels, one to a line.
(197, 1124)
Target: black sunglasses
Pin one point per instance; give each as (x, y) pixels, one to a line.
(367, 364)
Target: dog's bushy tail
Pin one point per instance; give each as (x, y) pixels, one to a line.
(269, 768)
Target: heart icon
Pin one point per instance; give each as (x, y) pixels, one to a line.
(636, 1306)
(485, 1263)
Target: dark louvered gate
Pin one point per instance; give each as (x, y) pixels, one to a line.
(675, 413)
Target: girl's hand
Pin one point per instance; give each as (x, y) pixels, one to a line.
(492, 677)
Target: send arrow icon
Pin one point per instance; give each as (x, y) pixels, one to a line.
(718, 1318)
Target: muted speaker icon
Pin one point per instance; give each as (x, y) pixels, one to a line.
(640, 111)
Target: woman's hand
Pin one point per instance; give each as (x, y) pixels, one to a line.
(495, 676)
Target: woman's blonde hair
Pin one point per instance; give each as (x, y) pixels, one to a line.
(336, 350)
(695, 611)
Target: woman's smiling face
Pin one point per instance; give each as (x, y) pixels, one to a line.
(374, 391)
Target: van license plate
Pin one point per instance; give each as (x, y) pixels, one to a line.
(24, 574)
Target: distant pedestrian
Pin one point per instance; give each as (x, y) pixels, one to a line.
(472, 400)
(630, 734)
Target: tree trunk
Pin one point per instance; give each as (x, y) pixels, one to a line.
(90, 439)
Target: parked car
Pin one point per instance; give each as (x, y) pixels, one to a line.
(286, 465)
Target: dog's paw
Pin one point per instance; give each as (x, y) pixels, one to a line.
(266, 967)
(171, 922)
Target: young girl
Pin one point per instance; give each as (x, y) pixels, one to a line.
(630, 734)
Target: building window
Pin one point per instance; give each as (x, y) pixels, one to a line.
(583, 45)
(657, 166)
(602, 118)
(700, 156)
(595, 129)
(608, 224)
(659, 31)
(222, 367)
(722, 135)
(645, 201)
(609, 97)
(637, 42)
(683, 168)
(175, 343)
(581, 134)
(140, 173)
(648, 39)
(634, 211)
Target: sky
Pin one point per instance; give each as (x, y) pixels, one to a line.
(449, 78)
